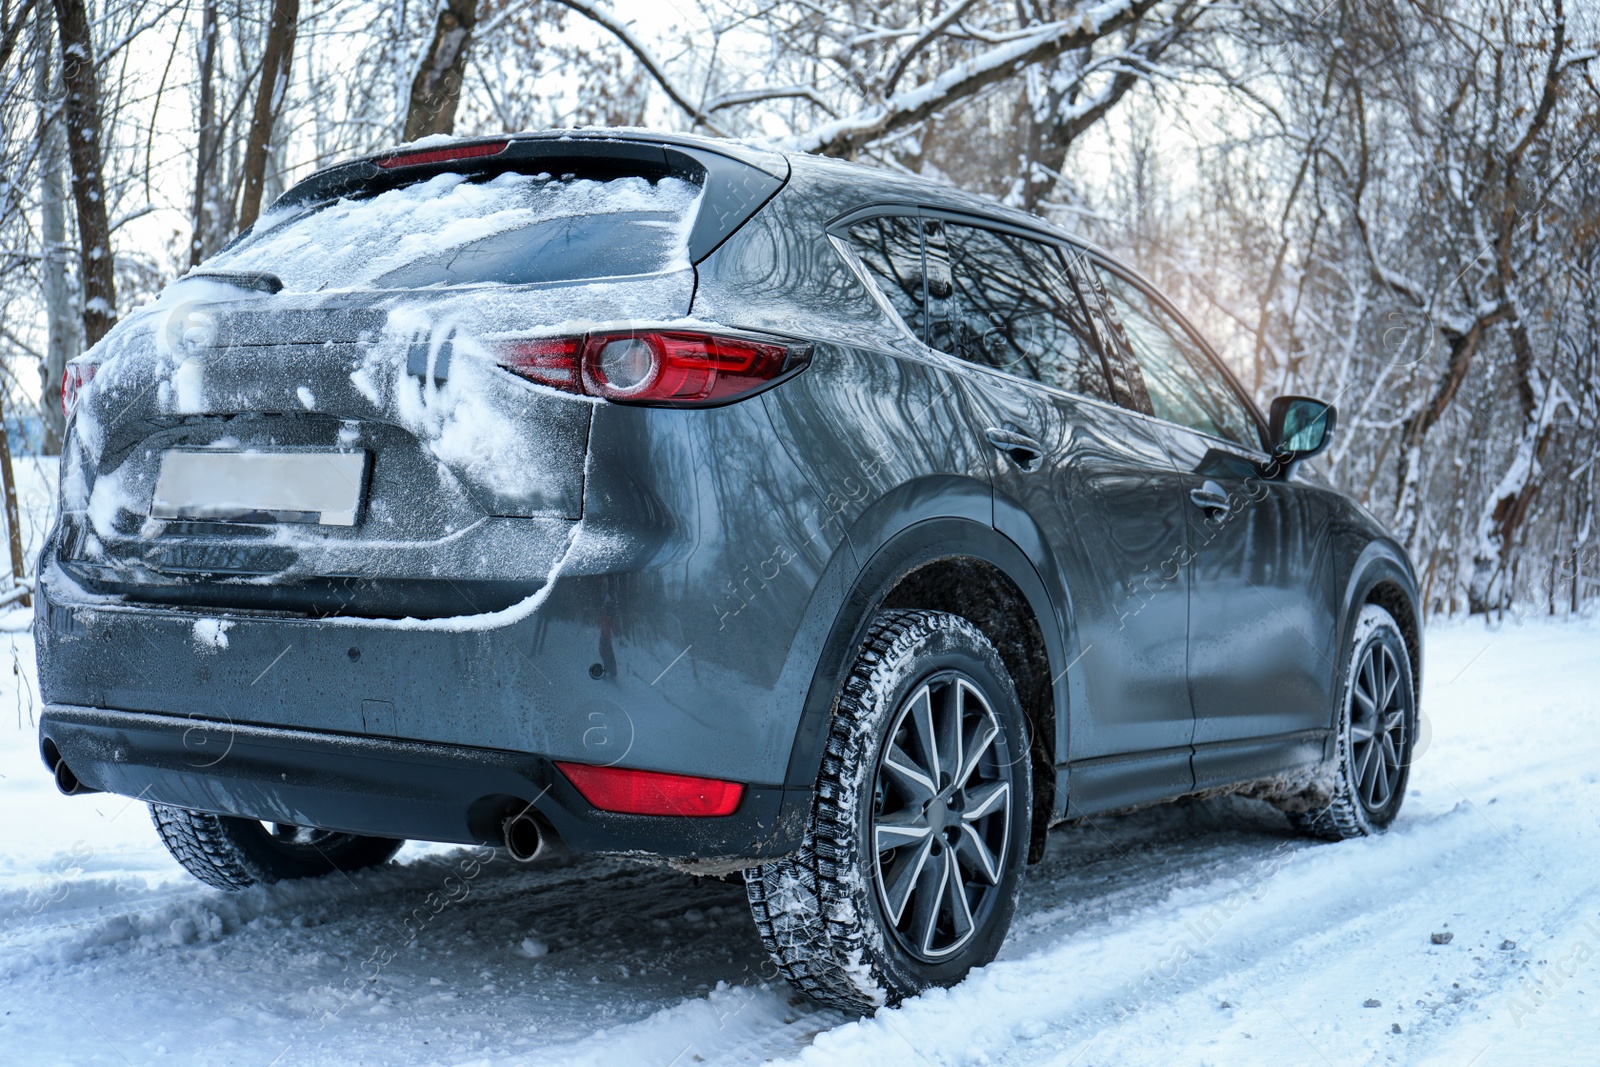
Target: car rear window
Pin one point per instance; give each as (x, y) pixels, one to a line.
(455, 229)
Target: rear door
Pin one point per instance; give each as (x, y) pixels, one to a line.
(1094, 480)
(1261, 599)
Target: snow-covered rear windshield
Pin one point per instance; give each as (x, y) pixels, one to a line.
(511, 229)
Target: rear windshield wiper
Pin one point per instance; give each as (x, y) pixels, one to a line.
(259, 280)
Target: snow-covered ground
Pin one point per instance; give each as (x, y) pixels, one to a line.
(1190, 934)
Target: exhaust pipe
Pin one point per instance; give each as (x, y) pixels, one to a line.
(68, 782)
(524, 838)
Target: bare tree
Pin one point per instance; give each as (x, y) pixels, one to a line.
(97, 269)
(275, 62)
(1390, 203)
(61, 313)
(203, 238)
(436, 90)
(1482, 197)
(1076, 90)
(873, 72)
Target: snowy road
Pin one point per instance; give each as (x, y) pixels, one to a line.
(1193, 934)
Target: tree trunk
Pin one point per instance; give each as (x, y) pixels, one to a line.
(19, 565)
(1511, 501)
(205, 153)
(275, 62)
(82, 113)
(436, 90)
(61, 312)
(1414, 430)
(1067, 114)
(273, 184)
(1577, 576)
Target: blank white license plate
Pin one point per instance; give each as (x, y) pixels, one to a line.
(321, 487)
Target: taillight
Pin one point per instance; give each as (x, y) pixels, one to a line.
(652, 792)
(673, 367)
(77, 375)
(549, 361)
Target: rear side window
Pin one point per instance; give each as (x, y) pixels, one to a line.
(1127, 383)
(891, 249)
(1010, 305)
(1183, 384)
(455, 229)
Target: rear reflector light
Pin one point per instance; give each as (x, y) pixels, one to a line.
(673, 367)
(442, 155)
(652, 792)
(73, 379)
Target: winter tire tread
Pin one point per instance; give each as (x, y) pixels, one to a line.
(805, 909)
(1344, 817)
(209, 847)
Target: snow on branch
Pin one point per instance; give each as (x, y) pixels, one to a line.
(110, 51)
(1137, 62)
(847, 136)
(933, 30)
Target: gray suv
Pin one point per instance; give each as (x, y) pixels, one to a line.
(659, 496)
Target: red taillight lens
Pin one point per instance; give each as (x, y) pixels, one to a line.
(652, 792)
(73, 379)
(653, 366)
(442, 155)
(549, 361)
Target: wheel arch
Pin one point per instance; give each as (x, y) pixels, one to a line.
(1383, 576)
(957, 563)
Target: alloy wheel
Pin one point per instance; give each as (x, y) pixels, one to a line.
(941, 816)
(1378, 721)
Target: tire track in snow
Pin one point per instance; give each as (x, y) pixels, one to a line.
(643, 965)
(1499, 843)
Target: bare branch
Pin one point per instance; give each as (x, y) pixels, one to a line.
(9, 35)
(847, 136)
(934, 29)
(606, 19)
(781, 92)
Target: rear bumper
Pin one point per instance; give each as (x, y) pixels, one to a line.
(387, 788)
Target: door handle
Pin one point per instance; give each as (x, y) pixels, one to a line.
(1210, 497)
(1019, 448)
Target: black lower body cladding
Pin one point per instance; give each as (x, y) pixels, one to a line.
(384, 787)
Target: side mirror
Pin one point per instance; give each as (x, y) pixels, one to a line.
(1300, 427)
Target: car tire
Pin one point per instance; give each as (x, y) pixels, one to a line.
(865, 913)
(235, 854)
(1376, 732)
